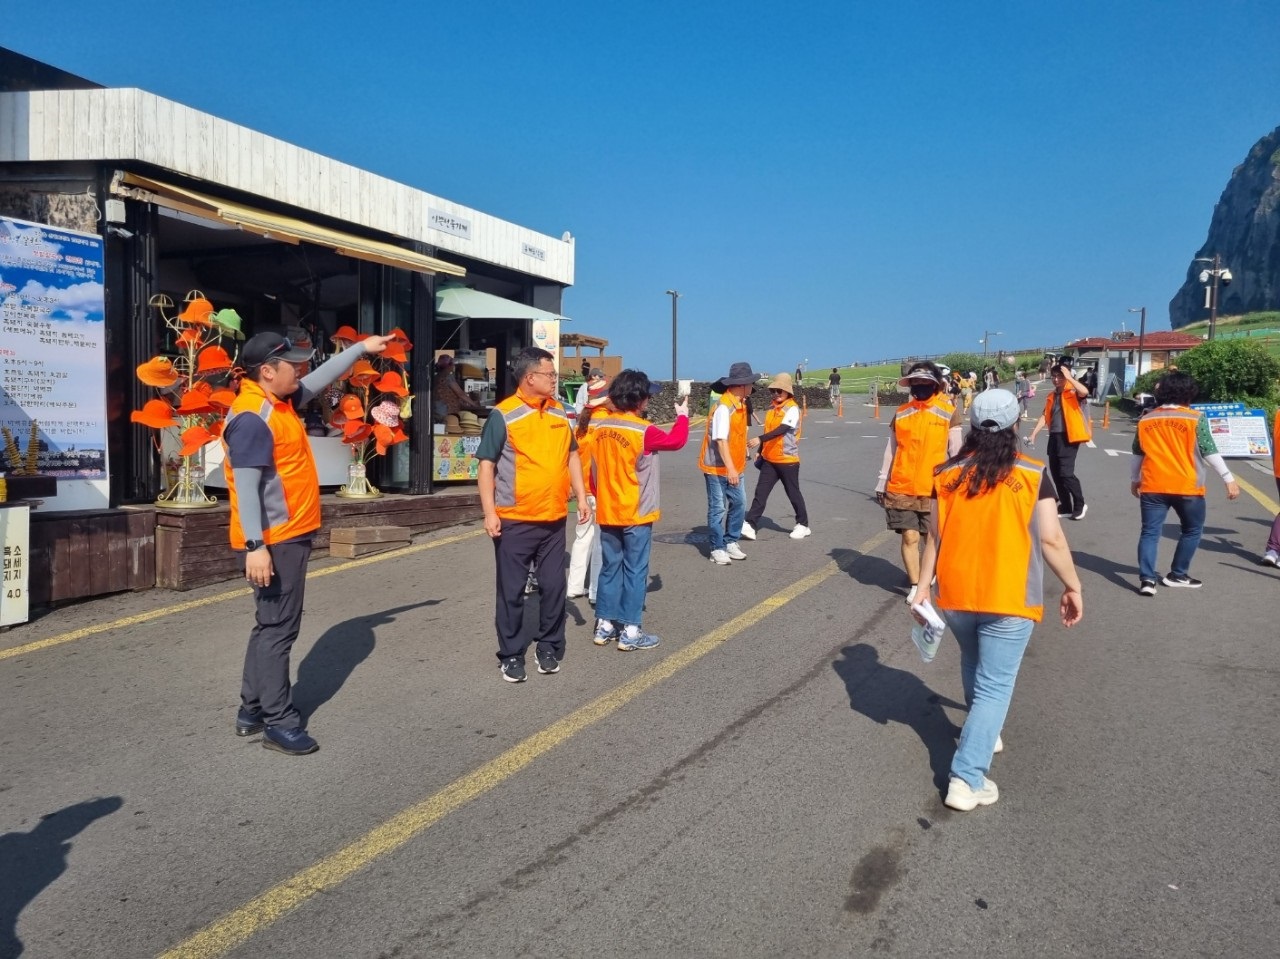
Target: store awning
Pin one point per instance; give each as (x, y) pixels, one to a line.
(455, 302)
(283, 228)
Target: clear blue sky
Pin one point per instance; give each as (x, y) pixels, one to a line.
(831, 181)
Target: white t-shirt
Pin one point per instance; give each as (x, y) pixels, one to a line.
(720, 423)
(580, 402)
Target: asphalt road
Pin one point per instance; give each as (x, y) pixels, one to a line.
(766, 783)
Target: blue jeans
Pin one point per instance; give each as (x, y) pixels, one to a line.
(722, 498)
(991, 648)
(624, 573)
(1155, 507)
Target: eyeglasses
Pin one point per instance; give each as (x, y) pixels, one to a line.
(554, 376)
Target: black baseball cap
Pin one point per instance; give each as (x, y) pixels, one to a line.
(266, 347)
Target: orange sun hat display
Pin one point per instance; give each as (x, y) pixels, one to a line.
(213, 359)
(155, 413)
(198, 311)
(158, 372)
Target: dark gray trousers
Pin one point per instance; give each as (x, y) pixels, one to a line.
(519, 545)
(279, 617)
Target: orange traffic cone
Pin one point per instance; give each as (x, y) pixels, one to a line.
(875, 398)
(840, 407)
(1106, 416)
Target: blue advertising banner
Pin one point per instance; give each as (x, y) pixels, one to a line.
(53, 359)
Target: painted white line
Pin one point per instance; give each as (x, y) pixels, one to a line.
(1118, 452)
(1260, 468)
(831, 437)
(870, 436)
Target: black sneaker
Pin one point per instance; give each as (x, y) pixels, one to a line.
(1186, 582)
(513, 670)
(291, 742)
(249, 723)
(1147, 587)
(547, 662)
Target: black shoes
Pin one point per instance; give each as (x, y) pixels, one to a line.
(1147, 587)
(547, 662)
(1186, 582)
(513, 670)
(291, 742)
(249, 724)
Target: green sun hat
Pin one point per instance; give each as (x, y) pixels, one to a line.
(229, 321)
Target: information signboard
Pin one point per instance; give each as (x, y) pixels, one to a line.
(53, 358)
(15, 539)
(1237, 431)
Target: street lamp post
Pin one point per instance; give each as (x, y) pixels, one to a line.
(1211, 278)
(675, 295)
(986, 336)
(1142, 333)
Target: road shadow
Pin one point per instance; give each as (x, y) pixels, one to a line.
(1124, 575)
(884, 694)
(335, 656)
(31, 861)
(871, 570)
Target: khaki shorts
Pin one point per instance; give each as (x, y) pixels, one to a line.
(901, 520)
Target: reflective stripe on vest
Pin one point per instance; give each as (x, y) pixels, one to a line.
(627, 482)
(920, 429)
(1001, 525)
(291, 485)
(709, 460)
(532, 474)
(784, 448)
(1170, 461)
(1079, 429)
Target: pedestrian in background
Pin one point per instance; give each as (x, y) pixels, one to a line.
(1022, 390)
(584, 555)
(1069, 427)
(594, 377)
(1172, 445)
(624, 450)
(722, 459)
(274, 492)
(922, 434)
(779, 459)
(833, 386)
(989, 494)
(528, 463)
(1272, 555)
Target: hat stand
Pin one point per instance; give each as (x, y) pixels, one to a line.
(358, 485)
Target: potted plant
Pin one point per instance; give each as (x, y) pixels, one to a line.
(192, 393)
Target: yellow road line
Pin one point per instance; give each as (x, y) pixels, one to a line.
(147, 617)
(239, 926)
(1267, 502)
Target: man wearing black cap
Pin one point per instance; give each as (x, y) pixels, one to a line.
(723, 458)
(275, 507)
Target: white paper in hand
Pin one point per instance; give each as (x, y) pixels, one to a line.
(928, 637)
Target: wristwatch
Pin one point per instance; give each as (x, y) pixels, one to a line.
(252, 545)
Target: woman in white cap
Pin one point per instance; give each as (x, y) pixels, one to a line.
(990, 494)
(779, 458)
(585, 554)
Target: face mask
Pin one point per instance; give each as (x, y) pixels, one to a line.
(922, 391)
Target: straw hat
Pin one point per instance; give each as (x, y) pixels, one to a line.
(783, 382)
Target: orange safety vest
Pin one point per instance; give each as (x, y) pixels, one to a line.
(709, 460)
(627, 484)
(920, 429)
(1170, 460)
(1003, 520)
(1079, 429)
(784, 448)
(586, 448)
(532, 473)
(1275, 446)
(291, 486)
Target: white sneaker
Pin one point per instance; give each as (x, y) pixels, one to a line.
(720, 557)
(800, 532)
(734, 551)
(999, 744)
(961, 796)
(748, 532)
(1270, 558)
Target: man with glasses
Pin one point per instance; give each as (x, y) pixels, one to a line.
(275, 507)
(528, 463)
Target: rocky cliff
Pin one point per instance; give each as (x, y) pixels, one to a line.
(1245, 230)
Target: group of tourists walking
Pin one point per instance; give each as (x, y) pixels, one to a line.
(942, 491)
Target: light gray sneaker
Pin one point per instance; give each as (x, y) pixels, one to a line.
(642, 640)
(960, 795)
(734, 551)
(748, 531)
(720, 557)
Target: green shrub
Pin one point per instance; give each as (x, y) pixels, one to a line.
(1230, 370)
(1146, 383)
